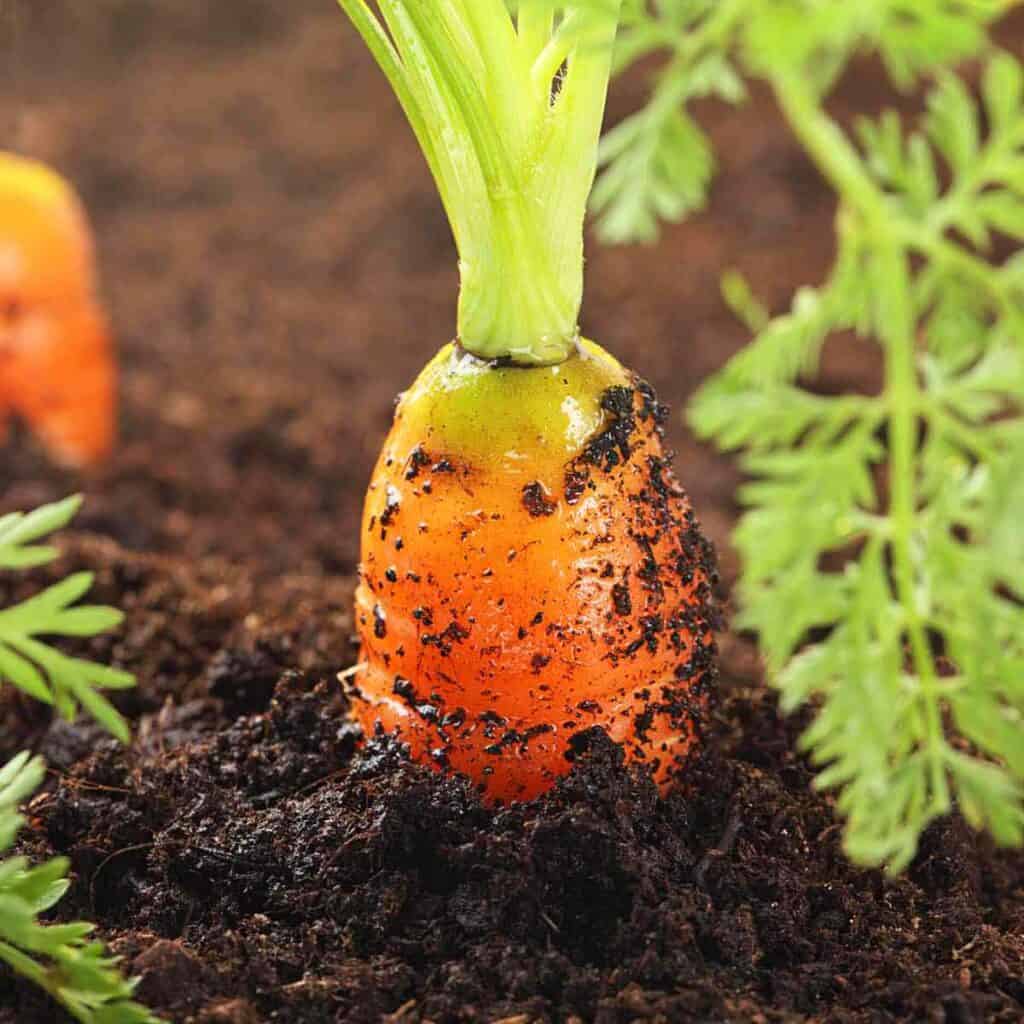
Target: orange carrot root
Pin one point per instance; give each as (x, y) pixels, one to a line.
(507, 603)
(57, 366)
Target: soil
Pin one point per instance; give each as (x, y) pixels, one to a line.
(277, 267)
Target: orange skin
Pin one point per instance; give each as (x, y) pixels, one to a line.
(57, 369)
(522, 581)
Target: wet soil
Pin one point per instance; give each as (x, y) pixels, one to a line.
(277, 268)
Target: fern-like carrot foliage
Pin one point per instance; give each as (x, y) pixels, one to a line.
(60, 958)
(913, 651)
(27, 660)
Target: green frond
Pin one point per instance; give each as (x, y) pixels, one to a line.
(59, 958)
(28, 661)
(931, 550)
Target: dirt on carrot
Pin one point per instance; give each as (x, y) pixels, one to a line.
(239, 859)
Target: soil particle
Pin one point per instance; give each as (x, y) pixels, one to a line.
(418, 458)
(621, 598)
(612, 444)
(230, 1011)
(536, 500)
(243, 680)
(166, 971)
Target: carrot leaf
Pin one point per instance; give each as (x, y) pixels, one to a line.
(883, 559)
(27, 660)
(881, 546)
(709, 47)
(60, 958)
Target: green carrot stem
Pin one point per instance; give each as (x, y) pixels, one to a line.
(507, 110)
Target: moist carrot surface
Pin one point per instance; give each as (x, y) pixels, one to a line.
(57, 369)
(531, 568)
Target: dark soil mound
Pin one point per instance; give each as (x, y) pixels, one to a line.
(250, 866)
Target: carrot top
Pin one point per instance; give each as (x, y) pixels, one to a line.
(523, 424)
(507, 110)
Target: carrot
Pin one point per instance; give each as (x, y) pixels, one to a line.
(57, 370)
(530, 566)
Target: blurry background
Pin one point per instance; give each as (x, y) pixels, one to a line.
(278, 266)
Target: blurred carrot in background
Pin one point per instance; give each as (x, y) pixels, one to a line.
(57, 368)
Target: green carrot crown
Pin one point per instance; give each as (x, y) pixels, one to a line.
(507, 109)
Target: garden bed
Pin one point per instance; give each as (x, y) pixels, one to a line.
(266, 232)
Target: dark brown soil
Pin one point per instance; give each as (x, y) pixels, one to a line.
(278, 267)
